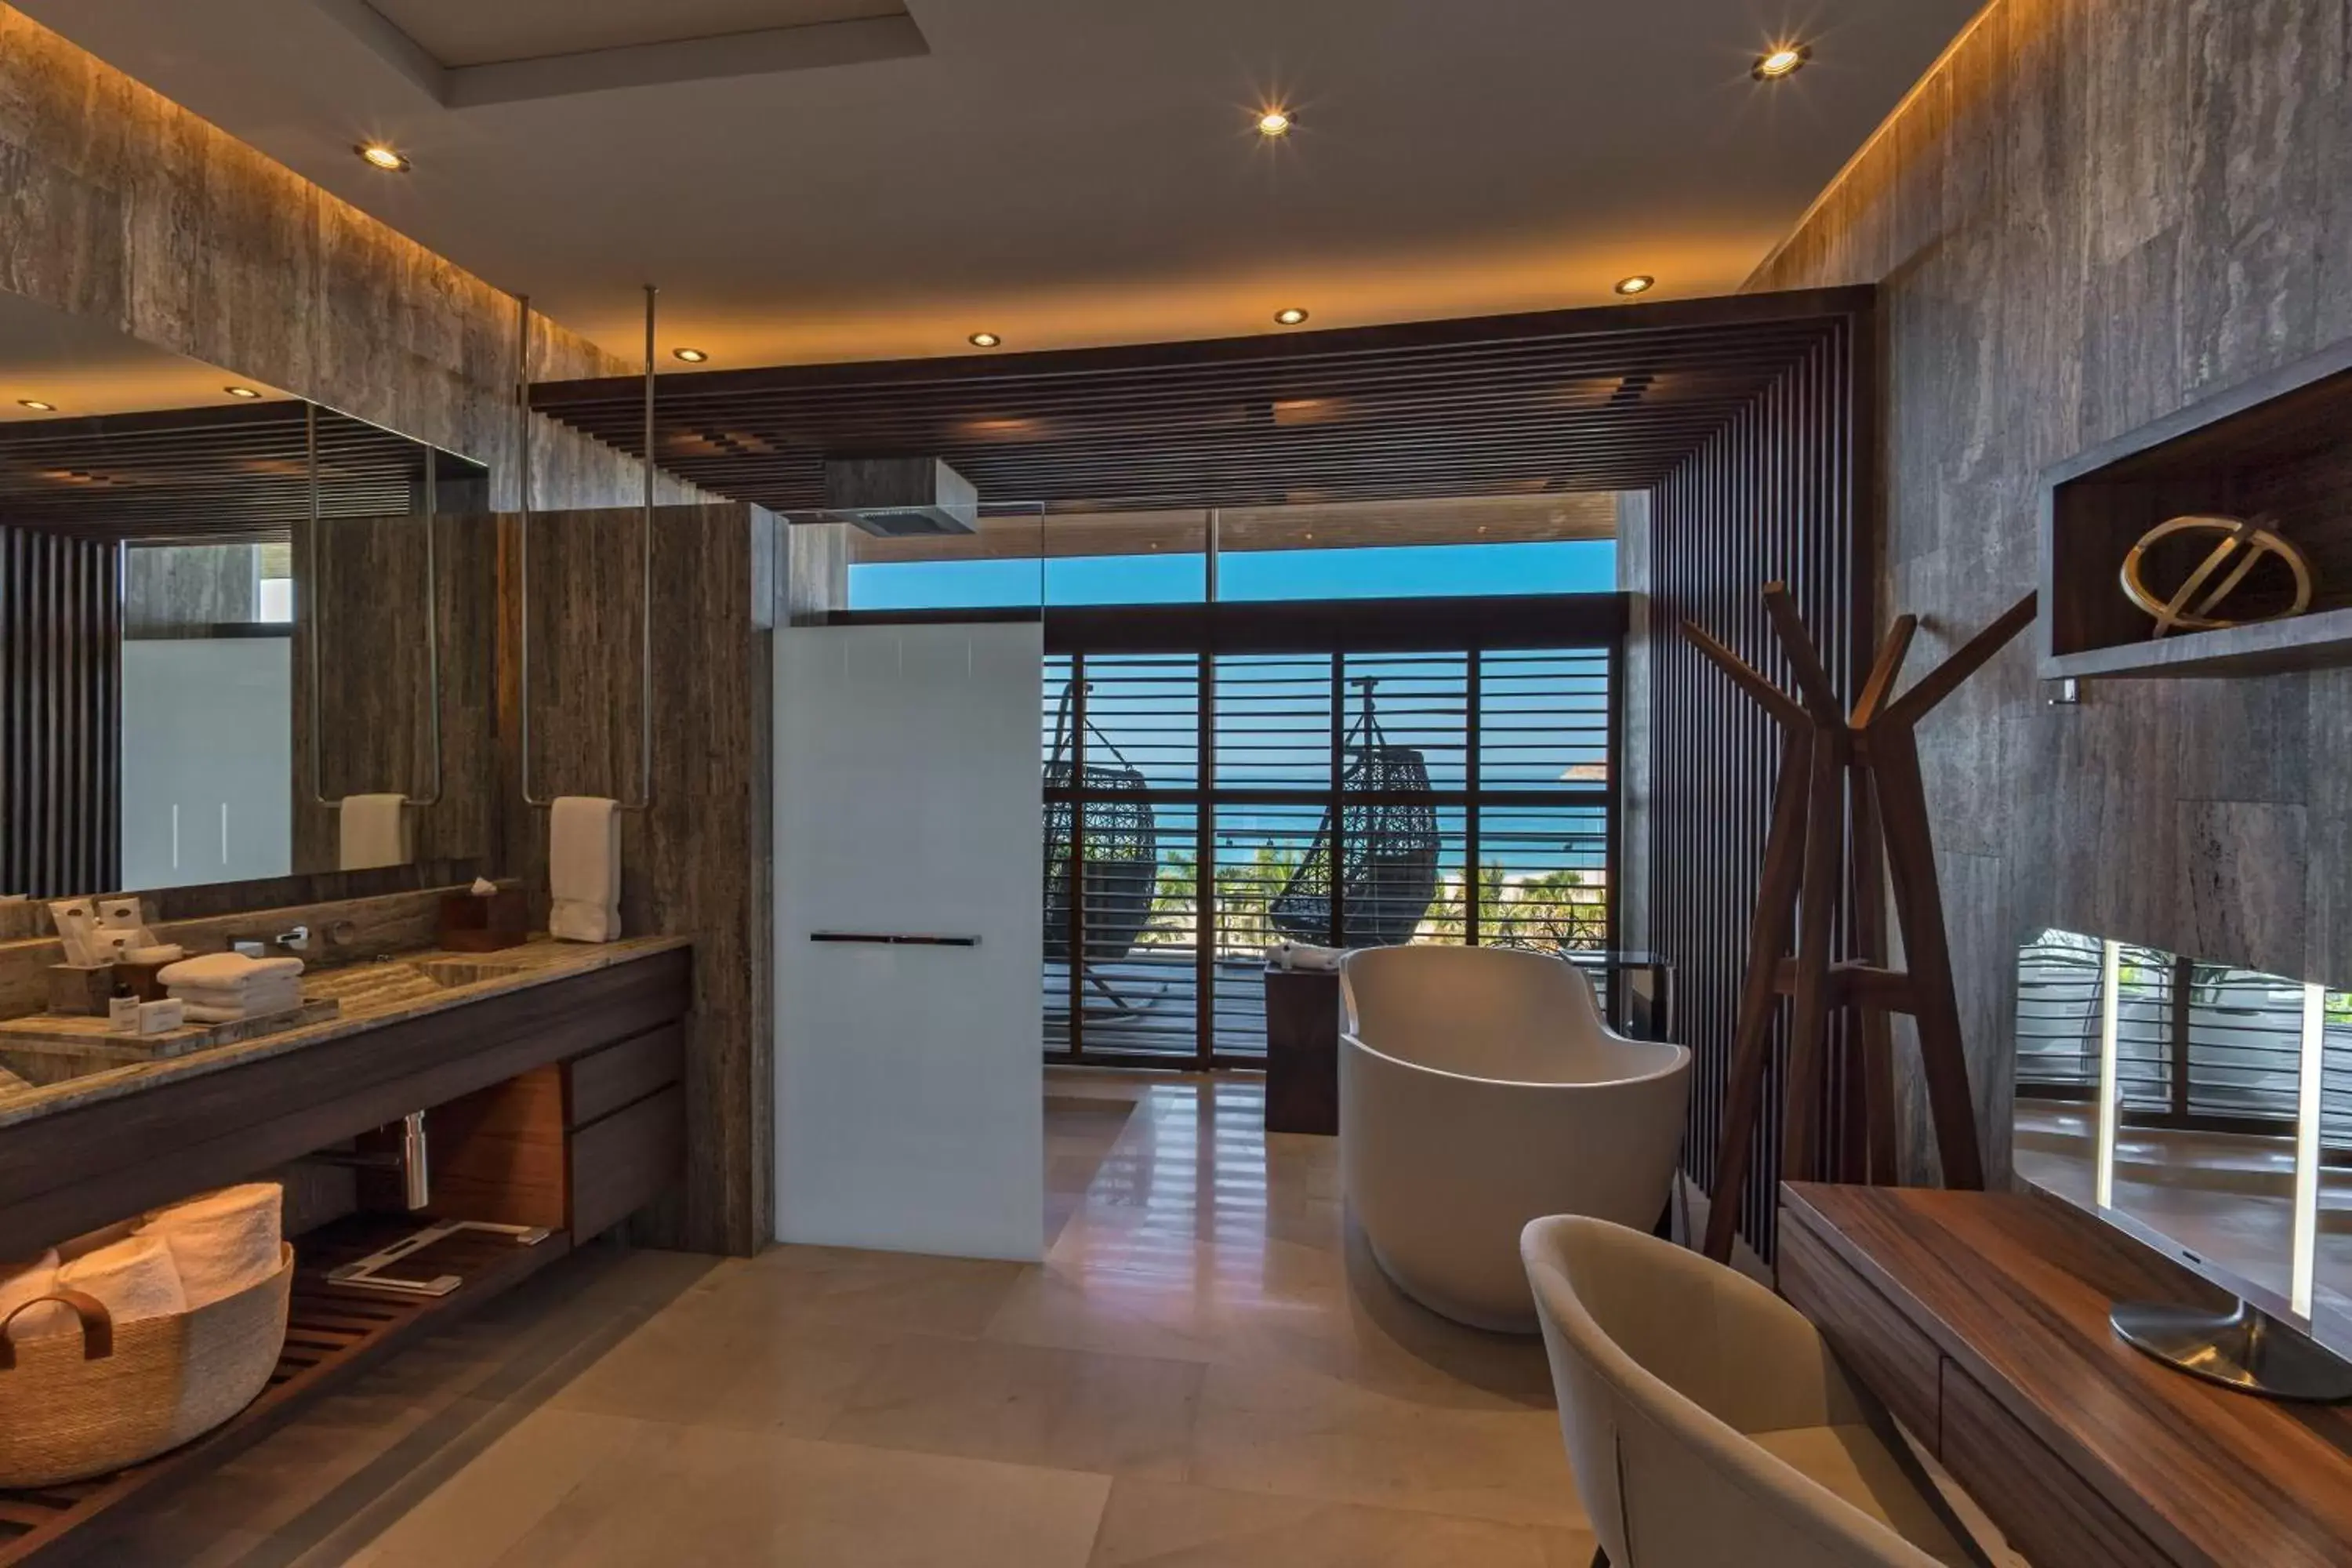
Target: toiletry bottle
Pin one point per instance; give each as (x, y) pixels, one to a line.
(122, 1010)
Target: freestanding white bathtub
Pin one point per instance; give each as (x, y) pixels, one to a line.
(1480, 1089)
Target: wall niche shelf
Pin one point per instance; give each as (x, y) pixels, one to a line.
(2278, 447)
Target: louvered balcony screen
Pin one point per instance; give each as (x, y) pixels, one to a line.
(1343, 799)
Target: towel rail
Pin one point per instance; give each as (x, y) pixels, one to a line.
(645, 799)
(893, 939)
(315, 604)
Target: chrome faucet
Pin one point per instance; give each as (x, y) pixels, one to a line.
(295, 941)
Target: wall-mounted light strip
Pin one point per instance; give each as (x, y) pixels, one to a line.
(2314, 1065)
(2111, 976)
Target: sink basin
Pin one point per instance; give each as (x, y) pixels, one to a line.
(363, 987)
(447, 973)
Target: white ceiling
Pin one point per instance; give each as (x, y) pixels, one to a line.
(85, 367)
(1067, 172)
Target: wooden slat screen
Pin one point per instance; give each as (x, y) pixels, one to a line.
(1609, 398)
(1784, 492)
(60, 742)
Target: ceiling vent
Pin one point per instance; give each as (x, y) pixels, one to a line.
(466, 53)
(900, 498)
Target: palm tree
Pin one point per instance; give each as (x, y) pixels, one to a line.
(1244, 889)
(1554, 909)
(1175, 914)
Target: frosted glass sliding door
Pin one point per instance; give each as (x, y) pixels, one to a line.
(207, 760)
(909, 1071)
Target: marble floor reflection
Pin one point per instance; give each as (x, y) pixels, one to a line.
(1204, 1370)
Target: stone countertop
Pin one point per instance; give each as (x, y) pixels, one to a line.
(391, 990)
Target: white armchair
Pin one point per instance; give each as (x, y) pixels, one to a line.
(1707, 1422)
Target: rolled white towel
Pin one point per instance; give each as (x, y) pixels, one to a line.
(1305, 955)
(223, 969)
(136, 1279)
(224, 1242)
(23, 1282)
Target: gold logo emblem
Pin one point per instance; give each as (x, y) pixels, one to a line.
(2191, 606)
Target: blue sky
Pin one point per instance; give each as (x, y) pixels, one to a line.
(1567, 567)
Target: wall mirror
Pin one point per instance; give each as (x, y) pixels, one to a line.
(270, 606)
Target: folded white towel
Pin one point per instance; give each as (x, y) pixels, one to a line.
(23, 1282)
(584, 868)
(280, 992)
(225, 969)
(136, 1279)
(374, 832)
(197, 1013)
(224, 1242)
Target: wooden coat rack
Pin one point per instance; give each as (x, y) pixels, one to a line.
(1805, 866)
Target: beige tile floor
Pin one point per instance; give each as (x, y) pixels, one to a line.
(1203, 1371)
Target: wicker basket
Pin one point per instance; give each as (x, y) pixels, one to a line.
(73, 1407)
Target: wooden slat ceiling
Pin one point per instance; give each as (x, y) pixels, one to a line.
(1496, 520)
(1604, 399)
(211, 475)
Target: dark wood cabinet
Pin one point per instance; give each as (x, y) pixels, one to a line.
(623, 1162)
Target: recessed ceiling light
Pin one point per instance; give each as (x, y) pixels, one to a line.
(1276, 122)
(388, 159)
(36, 406)
(1290, 316)
(983, 340)
(1640, 283)
(691, 356)
(241, 392)
(1784, 62)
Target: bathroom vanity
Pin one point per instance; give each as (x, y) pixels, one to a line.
(551, 1077)
(530, 1026)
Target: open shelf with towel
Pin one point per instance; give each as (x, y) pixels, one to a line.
(334, 1333)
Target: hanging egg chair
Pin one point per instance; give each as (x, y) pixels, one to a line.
(1121, 869)
(1391, 848)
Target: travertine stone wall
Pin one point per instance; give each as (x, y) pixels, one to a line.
(117, 204)
(2093, 213)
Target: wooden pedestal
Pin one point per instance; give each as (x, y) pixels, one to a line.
(1302, 1051)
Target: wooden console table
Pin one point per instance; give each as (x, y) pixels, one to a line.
(1981, 1320)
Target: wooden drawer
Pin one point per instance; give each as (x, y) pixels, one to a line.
(2043, 1507)
(622, 1162)
(1879, 1345)
(604, 1081)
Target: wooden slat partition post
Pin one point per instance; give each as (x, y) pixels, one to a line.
(1786, 491)
(60, 723)
(1825, 750)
